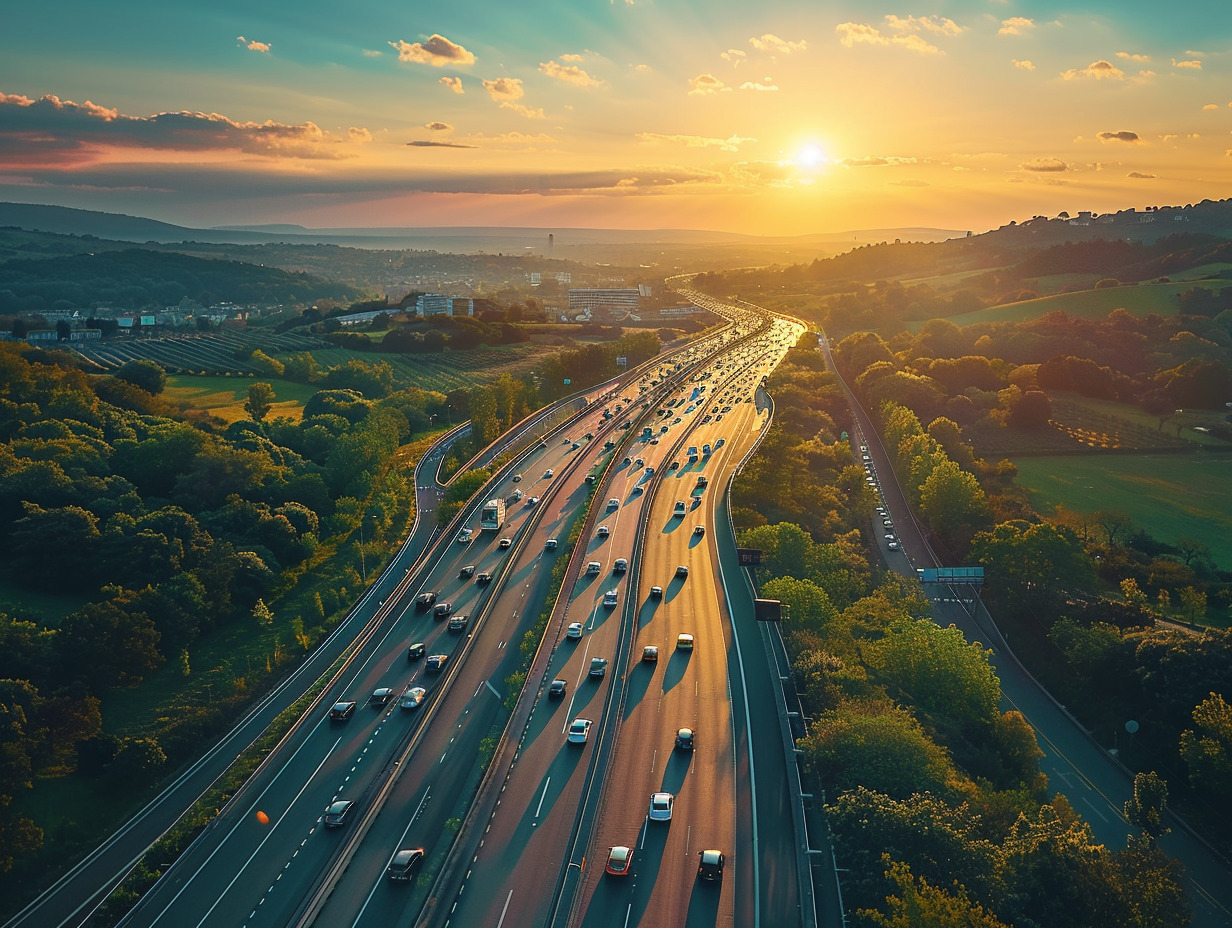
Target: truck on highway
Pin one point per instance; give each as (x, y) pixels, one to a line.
(493, 516)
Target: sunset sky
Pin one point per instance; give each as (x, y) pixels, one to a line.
(776, 117)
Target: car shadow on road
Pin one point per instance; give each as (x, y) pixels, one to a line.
(647, 612)
(676, 770)
(677, 664)
(673, 589)
(637, 683)
(704, 904)
(543, 800)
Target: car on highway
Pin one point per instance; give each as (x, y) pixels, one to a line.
(405, 864)
(593, 568)
(699, 530)
(442, 610)
(710, 865)
(412, 697)
(579, 731)
(424, 601)
(517, 478)
(465, 536)
(458, 622)
(517, 496)
(682, 571)
(505, 543)
(613, 504)
(650, 654)
(620, 566)
(341, 711)
(684, 739)
(483, 579)
(338, 813)
(557, 689)
(611, 599)
(416, 650)
(684, 642)
(649, 471)
(656, 592)
(680, 508)
(532, 502)
(893, 545)
(381, 695)
(550, 544)
(619, 860)
(466, 572)
(549, 474)
(598, 667)
(574, 630)
(604, 531)
(436, 663)
(661, 807)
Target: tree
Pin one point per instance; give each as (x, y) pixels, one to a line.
(951, 498)
(260, 400)
(1207, 747)
(262, 613)
(1028, 568)
(106, 645)
(1193, 602)
(1146, 808)
(147, 375)
(919, 904)
(1114, 523)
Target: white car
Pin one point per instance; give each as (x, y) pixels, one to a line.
(551, 544)
(465, 536)
(505, 543)
(548, 474)
(579, 731)
(661, 807)
(604, 531)
(574, 630)
(611, 599)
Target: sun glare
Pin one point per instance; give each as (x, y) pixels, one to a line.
(810, 156)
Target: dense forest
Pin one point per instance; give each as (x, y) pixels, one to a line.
(938, 809)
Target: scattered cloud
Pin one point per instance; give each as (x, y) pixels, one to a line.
(570, 74)
(763, 87)
(772, 45)
(731, 143)
(253, 45)
(853, 34)
(1193, 54)
(1211, 106)
(437, 51)
(1016, 25)
(765, 172)
(49, 131)
(642, 68)
(1122, 136)
(1023, 65)
(1045, 165)
(1137, 175)
(530, 112)
(453, 83)
(705, 84)
(571, 58)
(1193, 64)
(938, 25)
(504, 88)
(371, 53)
(1130, 56)
(735, 56)
(438, 126)
(874, 161)
(1097, 70)
(427, 143)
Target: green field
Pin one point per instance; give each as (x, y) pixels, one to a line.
(224, 396)
(1171, 496)
(1139, 300)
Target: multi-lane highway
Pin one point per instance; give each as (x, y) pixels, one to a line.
(411, 774)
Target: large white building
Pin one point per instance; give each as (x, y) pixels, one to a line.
(437, 304)
(591, 300)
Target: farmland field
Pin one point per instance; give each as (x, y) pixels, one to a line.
(447, 370)
(1139, 300)
(1171, 496)
(224, 396)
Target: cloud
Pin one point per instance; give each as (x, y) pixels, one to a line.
(253, 45)
(504, 88)
(876, 161)
(772, 45)
(764, 88)
(766, 172)
(1097, 70)
(1023, 65)
(1045, 165)
(50, 132)
(853, 34)
(530, 112)
(426, 143)
(1140, 176)
(731, 143)
(1211, 106)
(735, 56)
(1130, 56)
(705, 84)
(438, 51)
(1015, 25)
(1193, 54)
(642, 68)
(1192, 64)
(453, 83)
(1122, 136)
(371, 53)
(938, 25)
(438, 126)
(571, 57)
(570, 74)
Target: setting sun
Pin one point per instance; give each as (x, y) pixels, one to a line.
(810, 156)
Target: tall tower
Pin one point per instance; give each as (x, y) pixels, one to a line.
(551, 240)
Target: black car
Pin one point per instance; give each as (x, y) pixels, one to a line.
(556, 690)
(436, 663)
(466, 572)
(458, 622)
(341, 711)
(442, 610)
(406, 863)
(483, 579)
(416, 651)
(710, 865)
(339, 813)
(684, 739)
(381, 696)
(424, 601)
